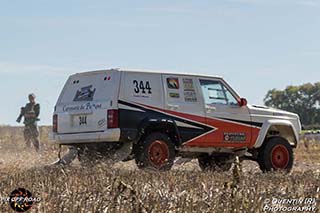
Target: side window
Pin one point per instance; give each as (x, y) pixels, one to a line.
(216, 93)
(231, 100)
(213, 92)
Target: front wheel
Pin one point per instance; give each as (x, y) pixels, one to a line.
(156, 152)
(276, 154)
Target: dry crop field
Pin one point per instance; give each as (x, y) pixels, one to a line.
(121, 187)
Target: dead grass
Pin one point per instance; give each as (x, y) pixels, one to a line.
(123, 188)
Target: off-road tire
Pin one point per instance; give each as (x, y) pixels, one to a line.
(276, 154)
(156, 152)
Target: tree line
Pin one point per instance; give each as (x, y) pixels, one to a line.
(303, 100)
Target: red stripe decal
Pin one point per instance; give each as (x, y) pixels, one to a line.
(216, 136)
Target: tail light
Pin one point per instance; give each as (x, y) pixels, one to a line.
(55, 123)
(113, 118)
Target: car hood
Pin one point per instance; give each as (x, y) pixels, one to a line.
(269, 111)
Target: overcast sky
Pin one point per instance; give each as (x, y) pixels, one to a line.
(256, 45)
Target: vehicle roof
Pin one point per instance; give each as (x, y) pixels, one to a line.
(145, 71)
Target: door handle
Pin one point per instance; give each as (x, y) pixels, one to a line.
(210, 108)
(172, 106)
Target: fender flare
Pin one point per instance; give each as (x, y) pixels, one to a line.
(157, 122)
(268, 124)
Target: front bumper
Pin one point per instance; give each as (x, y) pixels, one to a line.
(110, 135)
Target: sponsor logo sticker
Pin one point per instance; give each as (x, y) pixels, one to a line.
(173, 83)
(234, 137)
(188, 90)
(174, 95)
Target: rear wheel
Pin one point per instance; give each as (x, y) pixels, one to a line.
(276, 154)
(156, 152)
(210, 163)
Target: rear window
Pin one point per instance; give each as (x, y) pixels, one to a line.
(85, 93)
(90, 87)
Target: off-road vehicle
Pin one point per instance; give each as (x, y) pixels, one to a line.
(155, 117)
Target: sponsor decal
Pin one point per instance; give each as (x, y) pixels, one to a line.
(85, 94)
(188, 90)
(173, 83)
(188, 84)
(141, 96)
(234, 137)
(190, 96)
(102, 122)
(86, 106)
(174, 95)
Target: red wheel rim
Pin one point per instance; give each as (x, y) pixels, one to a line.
(279, 157)
(158, 153)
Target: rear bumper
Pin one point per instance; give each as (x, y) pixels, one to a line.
(110, 135)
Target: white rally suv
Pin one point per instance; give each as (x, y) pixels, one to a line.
(159, 116)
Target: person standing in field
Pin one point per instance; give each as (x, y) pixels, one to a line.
(31, 116)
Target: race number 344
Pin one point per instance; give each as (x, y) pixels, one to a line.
(142, 87)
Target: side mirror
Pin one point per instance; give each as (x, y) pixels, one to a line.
(243, 102)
